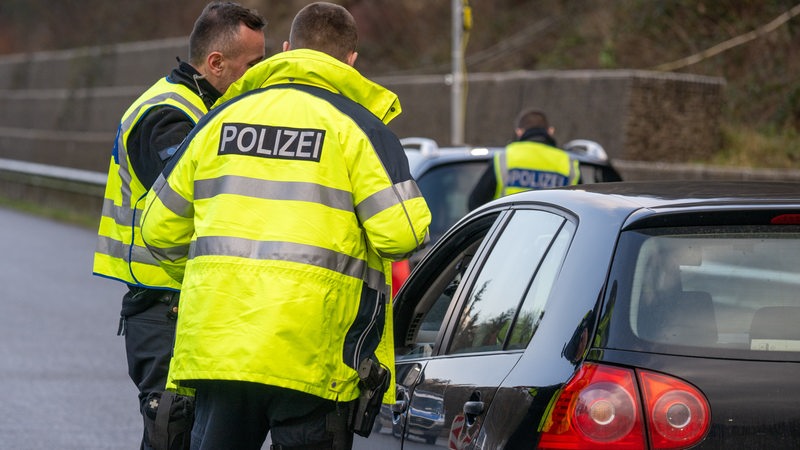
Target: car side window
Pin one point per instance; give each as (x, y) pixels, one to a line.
(511, 272)
(439, 280)
(532, 308)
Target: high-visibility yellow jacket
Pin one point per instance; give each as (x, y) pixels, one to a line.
(120, 253)
(528, 165)
(281, 214)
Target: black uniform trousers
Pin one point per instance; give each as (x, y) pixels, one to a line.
(149, 331)
(239, 414)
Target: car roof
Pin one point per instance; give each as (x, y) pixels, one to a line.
(620, 200)
(584, 150)
(419, 161)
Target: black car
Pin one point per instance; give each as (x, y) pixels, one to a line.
(630, 315)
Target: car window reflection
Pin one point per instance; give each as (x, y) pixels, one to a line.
(430, 309)
(505, 277)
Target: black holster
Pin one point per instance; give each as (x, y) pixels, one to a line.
(374, 381)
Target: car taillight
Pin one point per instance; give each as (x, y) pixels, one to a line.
(400, 272)
(678, 414)
(600, 408)
(785, 219)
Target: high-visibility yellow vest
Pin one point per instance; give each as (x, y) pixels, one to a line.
(281, 217)
(527, 165)
(120, 253)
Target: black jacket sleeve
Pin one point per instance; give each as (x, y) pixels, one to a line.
(162, 129)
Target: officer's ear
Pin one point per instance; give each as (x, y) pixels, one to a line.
(214, 61)
(351, 59)
(286, 46)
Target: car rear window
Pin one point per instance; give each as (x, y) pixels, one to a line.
(712, 291)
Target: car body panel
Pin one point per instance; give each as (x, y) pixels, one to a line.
(753, 395)
(452, 382)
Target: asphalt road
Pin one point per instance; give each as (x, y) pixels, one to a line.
(63, 375)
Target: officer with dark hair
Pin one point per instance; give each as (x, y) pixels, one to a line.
(532, 161)
(227, 39)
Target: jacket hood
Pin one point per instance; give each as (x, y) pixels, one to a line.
(311, 67)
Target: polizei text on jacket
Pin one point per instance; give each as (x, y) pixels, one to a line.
(271, 142)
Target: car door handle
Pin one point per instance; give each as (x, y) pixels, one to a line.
(472, 409)
(399, 406)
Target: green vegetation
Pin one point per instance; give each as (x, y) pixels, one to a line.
(747, 147)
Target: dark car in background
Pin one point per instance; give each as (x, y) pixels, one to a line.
(447, 175)
(633, 315)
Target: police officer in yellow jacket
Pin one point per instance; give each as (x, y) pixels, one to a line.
(531, 162)
(281, 215)
(226, 40)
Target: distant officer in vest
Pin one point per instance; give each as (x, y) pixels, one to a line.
(533, 161)
(226, 40)
(281, 215)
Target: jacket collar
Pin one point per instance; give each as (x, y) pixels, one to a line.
(538, 135)
(188, 76)
(304, 66)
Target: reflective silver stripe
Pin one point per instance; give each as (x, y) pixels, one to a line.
(160, 98)
(112, 247)
(172, 200)
(116, 249)
(171, 254)
(129, 121)
(123, 171)
(386, 198)
(277, 190)
(289, 251)
(142, 256)
(160, 181)
(573, 173)
(122, 215)
(503, 172)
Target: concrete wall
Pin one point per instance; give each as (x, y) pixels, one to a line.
(634, 115)
(62, 108)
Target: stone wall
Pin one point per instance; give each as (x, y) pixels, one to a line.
(673, 119)
(62, 108)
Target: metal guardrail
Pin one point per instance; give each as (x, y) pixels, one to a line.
(81, 191)
(70, 190)
(65, 175)
(652, 170)
(43, 176)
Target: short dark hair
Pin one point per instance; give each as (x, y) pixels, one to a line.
(325, 27)
(532, 118)
(217, 28)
